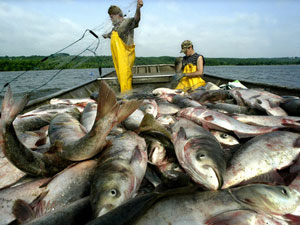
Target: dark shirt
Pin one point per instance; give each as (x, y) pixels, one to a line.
(192, 59)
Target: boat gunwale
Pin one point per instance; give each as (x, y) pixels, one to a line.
(168, 75)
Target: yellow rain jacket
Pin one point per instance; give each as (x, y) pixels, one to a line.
(123, 56)
(190, 83)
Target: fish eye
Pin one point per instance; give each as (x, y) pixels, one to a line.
(283, 191)
(224, 135)
(200, 156)
(175, 167)
(113, 192)
(259, 101)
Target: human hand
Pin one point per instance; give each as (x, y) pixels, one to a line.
(177, 77)
(140, 3)
(105, 36)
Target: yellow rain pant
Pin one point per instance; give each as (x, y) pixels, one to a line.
(190, 83)
(123, 57)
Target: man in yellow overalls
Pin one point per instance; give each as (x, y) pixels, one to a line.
(189, 69)
(122, 44)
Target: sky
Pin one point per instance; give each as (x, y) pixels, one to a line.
(228, 28)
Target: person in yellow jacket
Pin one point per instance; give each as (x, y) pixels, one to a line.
(189, 69)
(122, 43)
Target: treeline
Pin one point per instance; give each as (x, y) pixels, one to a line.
(66, 61)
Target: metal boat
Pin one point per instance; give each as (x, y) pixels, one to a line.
(149, 77)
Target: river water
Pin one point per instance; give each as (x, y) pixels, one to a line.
(286, 75)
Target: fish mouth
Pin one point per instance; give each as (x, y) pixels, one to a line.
(105, 209)
(215, 180)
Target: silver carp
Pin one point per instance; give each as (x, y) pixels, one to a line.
(167, 108)
(109, 113)
(78, 212)
(40, 117)
(295, 185)
(185, 101)
(70, 185)
(218, 121)
(244, 217)
(199, 153)
(88, 116)
(121, 169)
(196, 207)
(25, 159)
(27, 192)
(267, 199)
(261, 156)
(134, 120)
(149, 106)
(259, 99)
(9, 174)
(270, 121)
(226, 140)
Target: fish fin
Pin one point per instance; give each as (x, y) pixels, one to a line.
(82, 128)
(296, 166)
(290, 123)
(57, 146)
(226, 218)
(292, 219)
(181, 134)
(41, 141)
(205, 126)
(39, 198)
(10, 109)
(106, 100)
(242, 135)
(23, 211)
(272, 177)
(149, 123)
(126, 108)
(296, 143)
(39, 204)
(137, 155)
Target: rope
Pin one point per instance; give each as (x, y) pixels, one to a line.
(45, 58)
(58, 72)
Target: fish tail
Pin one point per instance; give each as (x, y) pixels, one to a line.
(149, 123)
(10, 109)
(125, 108)
(22, 211)
(107, 103)
(106, 100)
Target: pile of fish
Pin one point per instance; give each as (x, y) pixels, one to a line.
(211, 156)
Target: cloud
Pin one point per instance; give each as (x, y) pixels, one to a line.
(217, 29)
(32, 33)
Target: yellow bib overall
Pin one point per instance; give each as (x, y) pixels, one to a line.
(123, 57)
(190, 83)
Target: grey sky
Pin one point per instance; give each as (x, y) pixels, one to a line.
(232, 28)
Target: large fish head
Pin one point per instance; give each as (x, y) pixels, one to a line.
(174, 175)
(207, 166)
(225, 139)
(201, 157)
(113, 185)
(276, 200)
(166, 120)
(157, 152)
(149, 106)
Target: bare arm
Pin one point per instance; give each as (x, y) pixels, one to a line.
(137, 16)
(200, 69)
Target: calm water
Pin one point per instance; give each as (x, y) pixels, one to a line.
(288, 76)
(34, 79)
